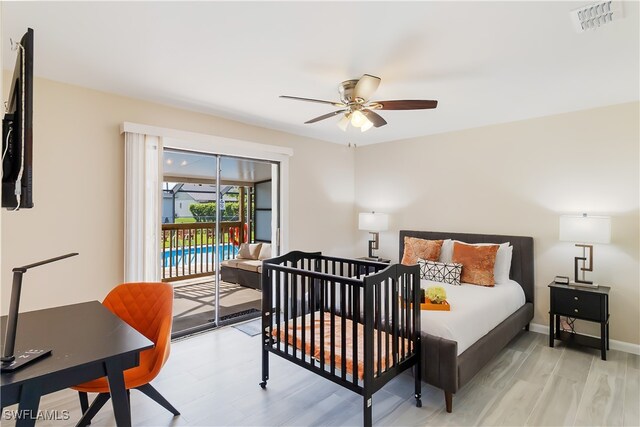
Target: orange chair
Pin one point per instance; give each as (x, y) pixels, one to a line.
(147, 307)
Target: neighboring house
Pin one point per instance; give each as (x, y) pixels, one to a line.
(178, 197)
(175, 204)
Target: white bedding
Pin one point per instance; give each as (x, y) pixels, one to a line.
(475, 310)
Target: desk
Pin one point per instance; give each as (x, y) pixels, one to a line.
(88, 342)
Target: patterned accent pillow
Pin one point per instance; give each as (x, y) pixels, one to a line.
(477, 263)
(415, 248)
(440, 271)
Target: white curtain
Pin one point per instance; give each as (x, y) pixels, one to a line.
(143, 198)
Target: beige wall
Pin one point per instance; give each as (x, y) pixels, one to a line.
(78, 191)
(2, 99)
(514, 178)
(517, 179)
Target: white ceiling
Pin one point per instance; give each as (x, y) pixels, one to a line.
(485, 62)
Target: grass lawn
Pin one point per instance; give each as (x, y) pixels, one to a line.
(185, 220)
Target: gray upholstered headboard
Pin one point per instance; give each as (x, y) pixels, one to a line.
(521, 261)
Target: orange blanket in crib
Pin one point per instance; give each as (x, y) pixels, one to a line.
(286, 332)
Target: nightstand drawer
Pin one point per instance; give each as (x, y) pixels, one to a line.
(574, 303)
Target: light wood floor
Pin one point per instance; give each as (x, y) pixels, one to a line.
(213, 380)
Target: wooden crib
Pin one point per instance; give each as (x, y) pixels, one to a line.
(354, 322)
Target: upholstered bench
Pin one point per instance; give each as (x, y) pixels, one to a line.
(246, 268)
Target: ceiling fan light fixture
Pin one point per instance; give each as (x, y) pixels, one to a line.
(365, 127)
(358, 119)
(344, 122)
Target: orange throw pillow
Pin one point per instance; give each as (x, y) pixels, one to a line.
(477, 263)
(420, 248)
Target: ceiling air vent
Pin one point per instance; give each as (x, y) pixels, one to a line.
(593, 16)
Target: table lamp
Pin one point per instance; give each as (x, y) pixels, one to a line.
(585, 230)
(373, 223)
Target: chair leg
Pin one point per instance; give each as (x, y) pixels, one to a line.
(97, 403)
(153, 394)
(84, 401)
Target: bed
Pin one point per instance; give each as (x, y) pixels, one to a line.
(354, 322)
(443, 365)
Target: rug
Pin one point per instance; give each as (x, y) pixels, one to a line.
(252, 328)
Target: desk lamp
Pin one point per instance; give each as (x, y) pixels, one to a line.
(10, 361)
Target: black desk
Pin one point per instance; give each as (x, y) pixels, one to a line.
(88, 342)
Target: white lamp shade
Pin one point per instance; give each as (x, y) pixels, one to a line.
(585, 229)
(372, 221)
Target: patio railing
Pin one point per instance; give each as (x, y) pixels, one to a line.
(190, 248)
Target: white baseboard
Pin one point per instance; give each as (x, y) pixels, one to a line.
(627, 347)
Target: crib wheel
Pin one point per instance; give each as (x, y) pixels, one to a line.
(263, 384)
(418, 403)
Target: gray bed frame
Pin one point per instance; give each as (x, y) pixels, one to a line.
(441, 365)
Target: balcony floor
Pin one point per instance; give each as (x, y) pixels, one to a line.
(194, 302)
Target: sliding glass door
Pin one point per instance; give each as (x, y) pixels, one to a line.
(212, 205)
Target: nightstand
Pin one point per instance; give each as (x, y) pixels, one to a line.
(366, 258)
(591, 304)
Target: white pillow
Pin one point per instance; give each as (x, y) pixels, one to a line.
(502, 266)
(249, 251)
(503, 258)
(446, 251)
(265, 251)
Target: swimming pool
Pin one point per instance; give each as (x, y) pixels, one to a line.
(198, 254)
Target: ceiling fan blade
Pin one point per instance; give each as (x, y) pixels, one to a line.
(375, 118)
(407, 104)
(366, 87)
(325, 116)
(297, 98)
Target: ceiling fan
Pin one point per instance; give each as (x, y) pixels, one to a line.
(357, 108)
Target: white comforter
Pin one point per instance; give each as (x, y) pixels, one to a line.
(475, 310)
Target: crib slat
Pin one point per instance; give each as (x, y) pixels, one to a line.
(322, 310)
(414, 290)
(405, 312)
(286, 312)
(388, 317)
(275, 286)
(294, 311)
(356, 318)
(312, 310)
(378, 326)
(407, 333)
(401, 314)
(333, 327)
(394, 329)
(343, 332)
(303, 293)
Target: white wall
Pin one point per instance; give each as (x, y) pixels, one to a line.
(78, 165)
(517, 179)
